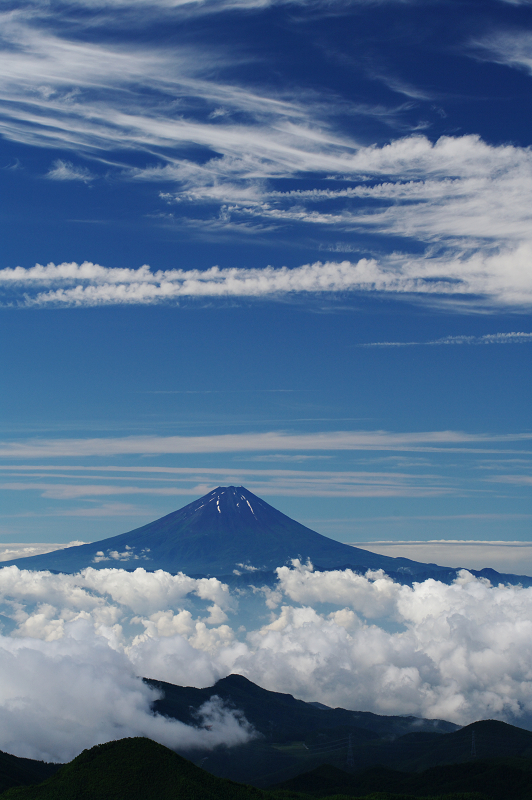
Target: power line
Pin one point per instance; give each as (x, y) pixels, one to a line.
(350, 761)
(336, 744)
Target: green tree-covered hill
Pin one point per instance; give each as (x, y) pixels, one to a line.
(139, 769)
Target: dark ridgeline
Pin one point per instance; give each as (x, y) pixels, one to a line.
(16, 771)
(226, 530)
(303, 748)
(281, 718)
(140, 769)
(297, 737)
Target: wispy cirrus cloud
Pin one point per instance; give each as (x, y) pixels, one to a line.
(455, 204)
(515, 337)
(513, 48)
(66, 171)
(459, 197)
(94, 483)
(88, 95)
(189, 481)
(86, 484)
(204, 7)
(523, 480)
(96, 509)
(437, 441)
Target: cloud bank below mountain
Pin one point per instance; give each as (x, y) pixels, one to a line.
(460, 652)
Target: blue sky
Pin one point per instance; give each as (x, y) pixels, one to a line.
(279, 244)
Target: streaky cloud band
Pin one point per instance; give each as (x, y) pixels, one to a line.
(515, 337)
(271, 440)
(478, 278)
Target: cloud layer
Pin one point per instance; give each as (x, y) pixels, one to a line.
(500, 275)
(100, 476)
(60, 697)
(67, 682)
(460, 652)
(503, 556)
(245, 442)
(515, 337)
(452, 207)
(17, 550)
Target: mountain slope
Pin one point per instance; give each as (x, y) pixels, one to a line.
(281, 717)
(133, 769)
(226, 530)
(140, 769)
(297, 736)
(15, 771)
(497, 779)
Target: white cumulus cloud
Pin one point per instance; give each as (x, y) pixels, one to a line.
(58, 698)
(460, 652)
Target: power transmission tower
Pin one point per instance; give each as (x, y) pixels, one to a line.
(473, 746)
(350, 761)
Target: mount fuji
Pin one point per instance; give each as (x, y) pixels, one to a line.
(232, 533)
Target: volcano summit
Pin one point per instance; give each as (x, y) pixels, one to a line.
(223, 534)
